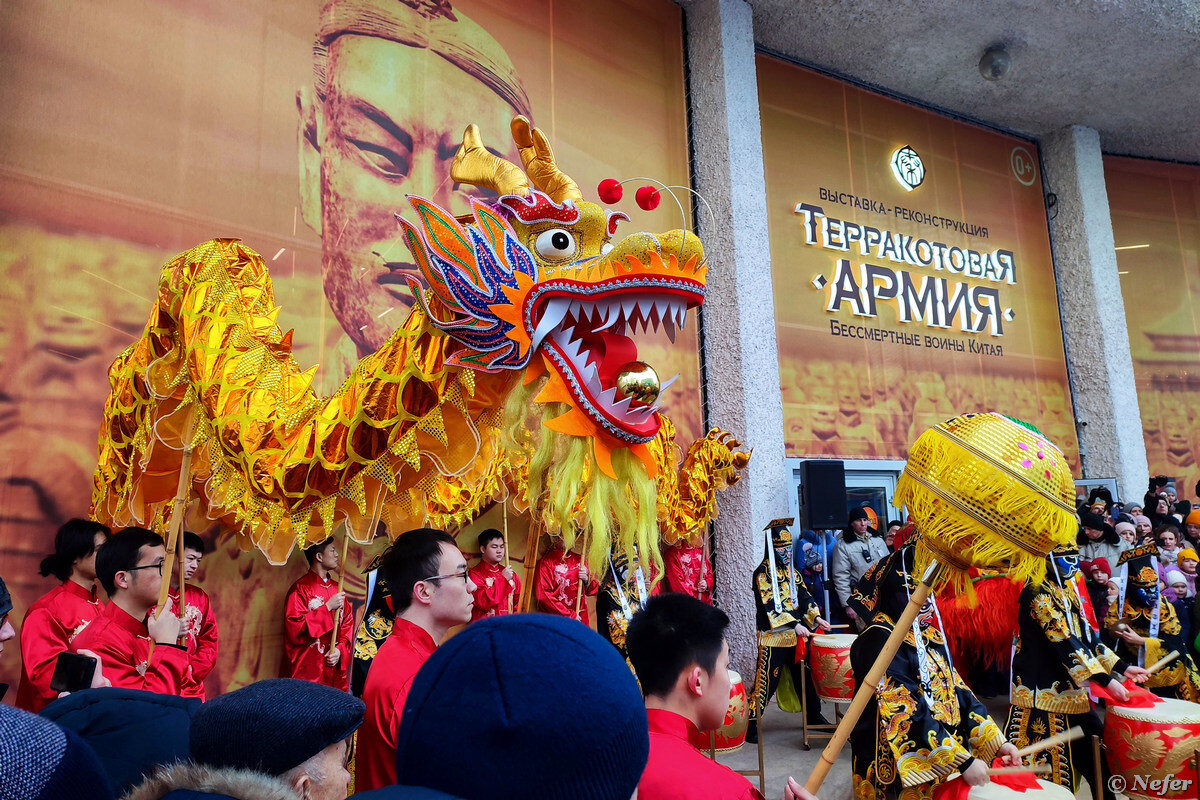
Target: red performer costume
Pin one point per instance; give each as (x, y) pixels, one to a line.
(392, 673)
(688, 571)
(676, 770)
(50, 628)
(495, 593)
(200, 637)
(123, 645)
(308, 625)
(557, 585)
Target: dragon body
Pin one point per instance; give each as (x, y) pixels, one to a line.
(505, 380)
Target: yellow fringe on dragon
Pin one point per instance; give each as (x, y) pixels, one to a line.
(527, 301)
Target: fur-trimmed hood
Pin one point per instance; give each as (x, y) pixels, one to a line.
(242, 784)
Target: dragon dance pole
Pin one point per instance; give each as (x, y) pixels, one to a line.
(507, 562)
(173, 527)
(579, 576)
(871, 682)
(337, 618)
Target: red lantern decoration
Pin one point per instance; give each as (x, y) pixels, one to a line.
(648, 198)
(610, 191)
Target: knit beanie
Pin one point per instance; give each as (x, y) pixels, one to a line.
(1140, 518)
(1100, 564)
(1129, 507)
(1186, 552)
(272, 726)
(546, 707)
(858, 513)
(1193, 518)
(41, 761)
(1174, 577)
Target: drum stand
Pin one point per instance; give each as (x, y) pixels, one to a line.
(761, 772)
(822, 731)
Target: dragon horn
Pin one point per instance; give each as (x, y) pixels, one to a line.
(538, 158)
(473, 164)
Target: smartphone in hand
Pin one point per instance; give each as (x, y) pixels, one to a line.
(73, 672)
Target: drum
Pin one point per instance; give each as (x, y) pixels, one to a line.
(998, 791)
(831, 666)
(1150, 749)
(732, 734)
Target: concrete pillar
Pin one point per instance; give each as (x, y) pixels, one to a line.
(741, 360)
(1097, 339)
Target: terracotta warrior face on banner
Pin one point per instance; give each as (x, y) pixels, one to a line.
(394, 87)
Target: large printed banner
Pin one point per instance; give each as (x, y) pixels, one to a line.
(136, 129)
(1155, 211)
(912, 270)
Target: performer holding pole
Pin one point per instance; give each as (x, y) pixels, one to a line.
(310, 608)
(494, 577)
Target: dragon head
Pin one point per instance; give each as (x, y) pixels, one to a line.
(534, 282)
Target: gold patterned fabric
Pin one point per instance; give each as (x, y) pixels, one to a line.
(912, 735)
(1056, 652)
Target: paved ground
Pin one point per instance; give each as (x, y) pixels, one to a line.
(784, 756)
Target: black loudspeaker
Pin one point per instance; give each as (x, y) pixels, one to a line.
(823, 494)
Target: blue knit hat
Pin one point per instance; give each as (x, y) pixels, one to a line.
(542, 705)
(272, 726)
(41, 761)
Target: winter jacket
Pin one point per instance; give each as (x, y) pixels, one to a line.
(187, 781)
(131, 731)
(850, 561)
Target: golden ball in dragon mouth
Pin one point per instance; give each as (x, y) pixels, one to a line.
(639, 381)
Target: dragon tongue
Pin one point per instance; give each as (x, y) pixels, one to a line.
(612, 354)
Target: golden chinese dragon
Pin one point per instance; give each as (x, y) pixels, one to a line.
(526, 312)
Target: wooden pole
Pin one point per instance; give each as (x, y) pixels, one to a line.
(1162, 662)
(182, 581)
(1036, 769)
(507, 562)
(1098, 778)
(1069, 735)
(182, 491)
(579, 575)
(337, 618)
(866, 689)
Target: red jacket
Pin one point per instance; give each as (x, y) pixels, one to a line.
(683, 564)
(51, 624)
(492, 591)
(200, 630)
(308, 626)
(678, 771)
(123, 644)
(557, 585)
(391, 676)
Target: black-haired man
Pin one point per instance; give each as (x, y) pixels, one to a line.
(312, 652)
(497, 587)
(53, 622)
(197, 617)
(677, 647)
(430, 592)
(130, 568)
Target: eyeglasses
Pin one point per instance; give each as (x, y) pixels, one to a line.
(460, 574)
(157, 566)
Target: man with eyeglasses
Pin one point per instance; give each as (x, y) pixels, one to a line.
(130, 568)
(430, 592)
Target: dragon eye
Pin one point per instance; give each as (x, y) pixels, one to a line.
(556, 245)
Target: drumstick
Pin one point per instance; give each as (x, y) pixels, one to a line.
(839, 625)
(1069, 735)
(1162, 662)
(1036, 769)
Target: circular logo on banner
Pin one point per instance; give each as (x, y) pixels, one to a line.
(908, 168)
(1023, 166)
